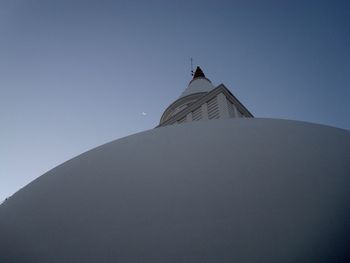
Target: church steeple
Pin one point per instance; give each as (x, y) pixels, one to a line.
(201, 100)
(198, 73)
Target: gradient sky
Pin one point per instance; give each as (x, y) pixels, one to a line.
(77, 74)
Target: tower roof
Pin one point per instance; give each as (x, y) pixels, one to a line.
(198, 73)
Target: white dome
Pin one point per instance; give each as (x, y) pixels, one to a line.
(234, 190)
(198, 85)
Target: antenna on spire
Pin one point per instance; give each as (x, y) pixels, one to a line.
(192, 72)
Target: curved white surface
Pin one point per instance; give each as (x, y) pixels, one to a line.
(198, 85)
(235, 190)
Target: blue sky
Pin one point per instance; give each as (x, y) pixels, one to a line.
(77, 74)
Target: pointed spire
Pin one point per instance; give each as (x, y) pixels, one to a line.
(198, 73)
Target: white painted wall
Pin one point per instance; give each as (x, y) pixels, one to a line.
(230, 190)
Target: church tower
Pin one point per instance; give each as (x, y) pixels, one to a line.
(203, 101)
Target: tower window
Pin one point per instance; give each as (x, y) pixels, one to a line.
(197, 114)
(213, 109)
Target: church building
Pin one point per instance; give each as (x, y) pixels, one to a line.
(242, 190)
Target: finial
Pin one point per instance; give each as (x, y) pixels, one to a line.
(192, 67)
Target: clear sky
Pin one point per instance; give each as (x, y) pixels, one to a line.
(77, 74)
